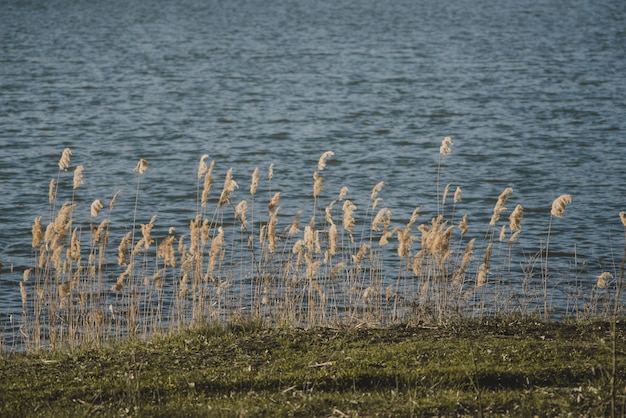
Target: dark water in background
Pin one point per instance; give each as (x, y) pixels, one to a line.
(533, 94)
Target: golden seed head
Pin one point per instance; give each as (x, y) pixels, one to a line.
(241, 211)
(208, 181)
(114, 199)
(558, 206)
(96, 207)
(270, 172)
(64, 162)
(516, 217)
(229, 187)
(37, 232)
(376, 190)
(446, 146)
(321, 164)
(51, 191)
(603, 279)
(348, 219)
(202, 167)
(342, 193)
(78, 176)
(255, 181)
(463, 225)
(141, 166)
(458, 195)
(622, 216)
(318, 186)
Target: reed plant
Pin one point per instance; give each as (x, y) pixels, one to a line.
(338, 265)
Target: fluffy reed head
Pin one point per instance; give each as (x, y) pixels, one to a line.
(229, 187)
(318, 186)
(558, 206)
(255, 181)
(64, 162)
(603, 279)
(348, 219)
(622, 216)
(96, 207)
(376, 190)
(78, 176)
(446, 146)
(37, 232)
(202, 167)
(499, 208)
(321, 164)
(458, 195)
(141, 166)
(516, 218)
(208, 181)
(113, 200)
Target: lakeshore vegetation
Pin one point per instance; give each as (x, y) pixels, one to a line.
(250, 314)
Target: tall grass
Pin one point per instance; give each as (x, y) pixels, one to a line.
(339, 265)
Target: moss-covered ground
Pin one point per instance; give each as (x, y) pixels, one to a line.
(492, 367)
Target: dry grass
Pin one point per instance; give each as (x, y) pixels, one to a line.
(241, 258)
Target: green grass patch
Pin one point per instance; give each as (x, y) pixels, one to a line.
(468, 368)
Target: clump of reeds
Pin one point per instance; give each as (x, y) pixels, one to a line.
(354, 265)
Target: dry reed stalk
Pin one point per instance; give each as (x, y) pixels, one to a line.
(78, 176)
(64, 162)
(444, 196)
(96, 207)
(468, 255)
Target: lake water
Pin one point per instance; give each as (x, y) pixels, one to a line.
(533, 94)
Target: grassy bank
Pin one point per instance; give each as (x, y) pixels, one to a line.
(504, 366)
